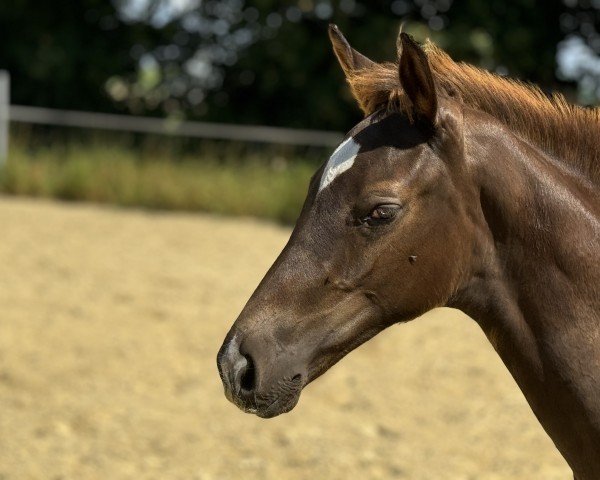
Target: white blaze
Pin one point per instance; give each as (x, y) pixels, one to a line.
(340, 161)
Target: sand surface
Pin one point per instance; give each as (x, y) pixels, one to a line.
(110, 321)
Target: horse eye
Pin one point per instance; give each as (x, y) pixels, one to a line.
(381, 214)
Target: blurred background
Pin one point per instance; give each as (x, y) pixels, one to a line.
(206, 119)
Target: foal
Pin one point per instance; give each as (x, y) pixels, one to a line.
(459, 188)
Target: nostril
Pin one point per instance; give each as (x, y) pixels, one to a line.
(248, 380)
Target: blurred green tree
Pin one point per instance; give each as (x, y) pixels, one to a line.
(61, 53)
(288, 76)
(259, 61)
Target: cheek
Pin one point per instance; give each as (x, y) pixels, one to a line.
(415, 270)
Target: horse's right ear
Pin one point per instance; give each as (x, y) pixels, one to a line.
(416, 77)
(350, 60)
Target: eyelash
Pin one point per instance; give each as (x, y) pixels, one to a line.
(386, 213)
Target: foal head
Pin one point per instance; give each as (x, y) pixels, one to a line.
(382, 238)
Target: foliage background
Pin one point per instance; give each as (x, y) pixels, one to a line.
(245, 62)
(266, 61)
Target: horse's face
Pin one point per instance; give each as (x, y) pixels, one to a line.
(380, 240)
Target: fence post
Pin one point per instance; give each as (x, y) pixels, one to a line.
(4, 114)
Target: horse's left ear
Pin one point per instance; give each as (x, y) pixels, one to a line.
(416, 78)
(350, 59)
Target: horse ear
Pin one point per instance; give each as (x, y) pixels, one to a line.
(416, 77)
(349, 58)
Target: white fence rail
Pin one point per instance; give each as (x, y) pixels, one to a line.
(127, 123)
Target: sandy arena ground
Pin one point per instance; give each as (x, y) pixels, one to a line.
(110, 321)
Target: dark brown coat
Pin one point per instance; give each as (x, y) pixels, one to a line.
(459, 188)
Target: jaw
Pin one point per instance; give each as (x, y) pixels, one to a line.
(282, 373)
(283, 395)
(287, 402)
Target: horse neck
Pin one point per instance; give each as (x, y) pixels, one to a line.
(534, 281)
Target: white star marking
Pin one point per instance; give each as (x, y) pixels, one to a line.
(340, 161)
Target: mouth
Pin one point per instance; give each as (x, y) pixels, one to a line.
(281, 398)
(279, 406)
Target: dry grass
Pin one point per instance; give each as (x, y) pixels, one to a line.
(249, 186)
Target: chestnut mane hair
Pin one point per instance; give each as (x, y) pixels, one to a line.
(568, 132)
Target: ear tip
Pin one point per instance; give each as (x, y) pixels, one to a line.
(407, 38)
(336, 36)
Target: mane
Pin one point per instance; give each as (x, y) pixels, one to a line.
(568, 132)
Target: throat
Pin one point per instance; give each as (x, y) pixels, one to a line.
(533, 290)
